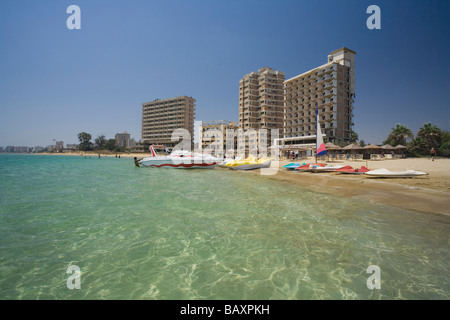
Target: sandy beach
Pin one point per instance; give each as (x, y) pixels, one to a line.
(429, 193)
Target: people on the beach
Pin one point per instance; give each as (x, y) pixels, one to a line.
(432, 154)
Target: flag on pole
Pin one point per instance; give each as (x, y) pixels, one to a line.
(320, 146)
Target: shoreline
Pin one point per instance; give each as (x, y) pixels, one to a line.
(428, 194)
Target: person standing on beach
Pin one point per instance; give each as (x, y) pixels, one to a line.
(432, 154)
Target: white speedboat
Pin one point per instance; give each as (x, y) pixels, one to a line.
(179, 159)
(385, 173)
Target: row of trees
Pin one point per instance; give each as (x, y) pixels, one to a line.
(429, 136)
(100, 143)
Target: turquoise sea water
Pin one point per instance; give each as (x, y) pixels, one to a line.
(142, 233)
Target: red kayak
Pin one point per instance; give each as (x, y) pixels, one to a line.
(309, 166)
(349, 169)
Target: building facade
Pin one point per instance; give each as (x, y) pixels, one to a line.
(261, 106)
(123, 140)
(59, 145)
(331, 89)
(261, 100)
(161, 117)
(218, 136)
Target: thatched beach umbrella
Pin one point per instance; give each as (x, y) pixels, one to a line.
(352, 146)
(331, 146)
(401, 148)
(387, 147)
(372, 147)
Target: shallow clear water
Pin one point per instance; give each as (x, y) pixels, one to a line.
(144, 233)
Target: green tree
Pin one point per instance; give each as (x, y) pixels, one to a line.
(353, 137)
(85, 141)
(100, 142)
(362, 143)
(432, 135)
(417, 147)
(110, 144)
(444, 148)
(398, 135)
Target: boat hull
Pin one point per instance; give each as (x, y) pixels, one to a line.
(292, 166)
(308, 167)
(324, 169)
(178, 163)
(251, 166)
(350, 170)
(384, 173)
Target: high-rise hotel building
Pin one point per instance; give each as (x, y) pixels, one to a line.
(161, 117)
(261, 100)
(330, 88)
(261, 104)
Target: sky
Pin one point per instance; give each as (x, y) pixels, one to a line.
(56, 82)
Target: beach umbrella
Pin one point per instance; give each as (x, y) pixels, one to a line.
(387, 147)
(332, 148)
(352, 146)
(402, 148)
(372, 146)
(330, 145)
(370, 149)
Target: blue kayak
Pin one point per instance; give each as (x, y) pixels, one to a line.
(292, 166)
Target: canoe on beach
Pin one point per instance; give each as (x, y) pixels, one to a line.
(293, 165)
(309, 166)
(385, 173)
(351, 170)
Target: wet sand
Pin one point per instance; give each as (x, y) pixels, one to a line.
(429, 193)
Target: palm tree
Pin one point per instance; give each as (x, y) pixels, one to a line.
(432, 135)
(399, 135)
(418, 147)
(353, 137)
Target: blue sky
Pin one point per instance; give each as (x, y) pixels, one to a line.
(56, 82)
